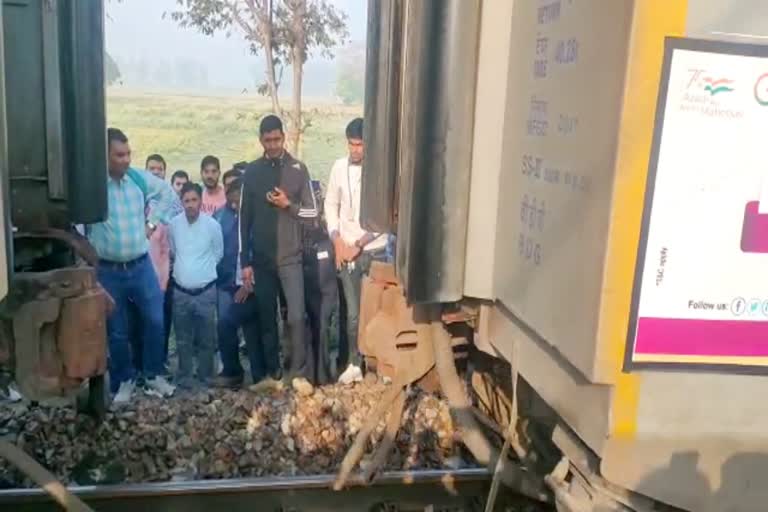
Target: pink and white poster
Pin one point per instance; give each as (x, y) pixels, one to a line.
(701, 285)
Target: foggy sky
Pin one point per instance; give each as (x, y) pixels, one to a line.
(135, 30)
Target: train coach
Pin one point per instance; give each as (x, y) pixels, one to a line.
(579, 184)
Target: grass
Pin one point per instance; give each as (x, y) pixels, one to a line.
(185, 128)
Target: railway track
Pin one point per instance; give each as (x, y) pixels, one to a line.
(463, 489)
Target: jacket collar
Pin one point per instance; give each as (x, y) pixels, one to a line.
(279, 161)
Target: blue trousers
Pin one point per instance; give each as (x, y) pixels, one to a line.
(135, 282)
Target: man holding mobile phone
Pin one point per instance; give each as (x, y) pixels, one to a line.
(276, 201)
(355, 248)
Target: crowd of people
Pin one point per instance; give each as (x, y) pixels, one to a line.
(257, 247)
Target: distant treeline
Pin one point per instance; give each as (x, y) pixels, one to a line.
(342, 79)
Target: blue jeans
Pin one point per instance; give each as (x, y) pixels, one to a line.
(194, 321)
(136, 282)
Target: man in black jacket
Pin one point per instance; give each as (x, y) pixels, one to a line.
(277, 200)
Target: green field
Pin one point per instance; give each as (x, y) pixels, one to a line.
(186, 128)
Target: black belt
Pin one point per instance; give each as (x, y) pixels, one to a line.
(196, 291)
(123, 265)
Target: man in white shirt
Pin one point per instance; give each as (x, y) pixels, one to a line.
(197, 245)
(355, 248)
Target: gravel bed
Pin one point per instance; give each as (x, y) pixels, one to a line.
(213, 434)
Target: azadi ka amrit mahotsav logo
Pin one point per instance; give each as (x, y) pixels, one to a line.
(716, 86)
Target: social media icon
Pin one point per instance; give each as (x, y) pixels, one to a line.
(738, 306)
(754, 306)
(765, 307)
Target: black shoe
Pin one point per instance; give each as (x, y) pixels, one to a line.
(222, 381)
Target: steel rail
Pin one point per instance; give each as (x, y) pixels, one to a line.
(410, 488)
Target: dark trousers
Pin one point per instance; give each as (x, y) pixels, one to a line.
(321, 296)
(351, 282)
(249, 327)
(258, 317)
(342, 347)
(298, 349)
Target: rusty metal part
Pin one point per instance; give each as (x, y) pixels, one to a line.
(387, 440)
(462, 313)
(355, 452)
(492, 400)
(397, 338)
(383, 273)
(511, 475)
(489, 422)
(29, 322)
(58, 323)
(78, 243)
(501, 409)
(62, 283)
(390, 335)
(430, 382)
(82, 329)
(43, 478)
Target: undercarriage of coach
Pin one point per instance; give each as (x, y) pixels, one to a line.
(53, 336)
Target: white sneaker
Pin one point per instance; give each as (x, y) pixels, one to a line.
(351, 374)
(159, 387)
(125, 392)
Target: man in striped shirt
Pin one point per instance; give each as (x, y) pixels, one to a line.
(159, 255)
(276, 200)
(125, 269)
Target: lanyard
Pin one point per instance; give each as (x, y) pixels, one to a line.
(351, 215)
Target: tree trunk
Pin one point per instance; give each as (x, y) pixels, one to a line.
(266, 29)
(297, 64)
(271, 78)
(297, 125)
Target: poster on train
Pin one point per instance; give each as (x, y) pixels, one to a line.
(701, 281)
